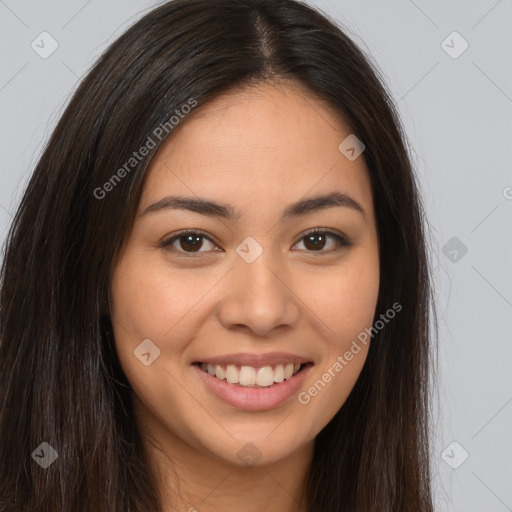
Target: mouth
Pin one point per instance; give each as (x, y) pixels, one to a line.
(253, 388)
(251, 376)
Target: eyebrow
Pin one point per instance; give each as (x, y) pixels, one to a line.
(226, 211)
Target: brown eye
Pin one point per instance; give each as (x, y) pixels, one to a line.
(187, 242)
(316, 241)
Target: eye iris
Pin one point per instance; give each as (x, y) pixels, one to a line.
(194, 241)
(316, 245)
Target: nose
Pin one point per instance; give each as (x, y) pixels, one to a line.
(258, 297)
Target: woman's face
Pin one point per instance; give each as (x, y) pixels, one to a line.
(254, 293)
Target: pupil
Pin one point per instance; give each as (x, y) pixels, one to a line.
(315, 245)
(193, 240)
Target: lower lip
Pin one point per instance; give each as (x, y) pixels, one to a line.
(254, 399)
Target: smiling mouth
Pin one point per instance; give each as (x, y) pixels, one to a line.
(250, 376)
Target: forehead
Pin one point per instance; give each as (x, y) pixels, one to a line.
(264, 143)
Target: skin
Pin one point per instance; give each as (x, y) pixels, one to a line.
(257, 150)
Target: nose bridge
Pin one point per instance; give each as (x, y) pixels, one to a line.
(257, 296)
(258, 278)
(256, 261)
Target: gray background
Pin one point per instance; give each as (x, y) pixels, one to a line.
(457, 114)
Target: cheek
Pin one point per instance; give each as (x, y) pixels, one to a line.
(344, 300)
(344, 303)
(151, 301)
(145, 307)
(139, 311)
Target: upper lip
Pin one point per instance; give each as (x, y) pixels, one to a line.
(255, 360)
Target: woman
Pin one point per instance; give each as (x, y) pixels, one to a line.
(215, 293)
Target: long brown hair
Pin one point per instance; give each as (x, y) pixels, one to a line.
(60, 378)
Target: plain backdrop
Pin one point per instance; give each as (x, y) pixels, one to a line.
(447, 65)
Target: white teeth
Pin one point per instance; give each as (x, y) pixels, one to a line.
(219, 372)
(251, 376)
(288, 370)
(279, 373)
(231, 374)
(265, 376)
(247, 376)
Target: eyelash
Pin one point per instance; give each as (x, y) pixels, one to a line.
(342, 242)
